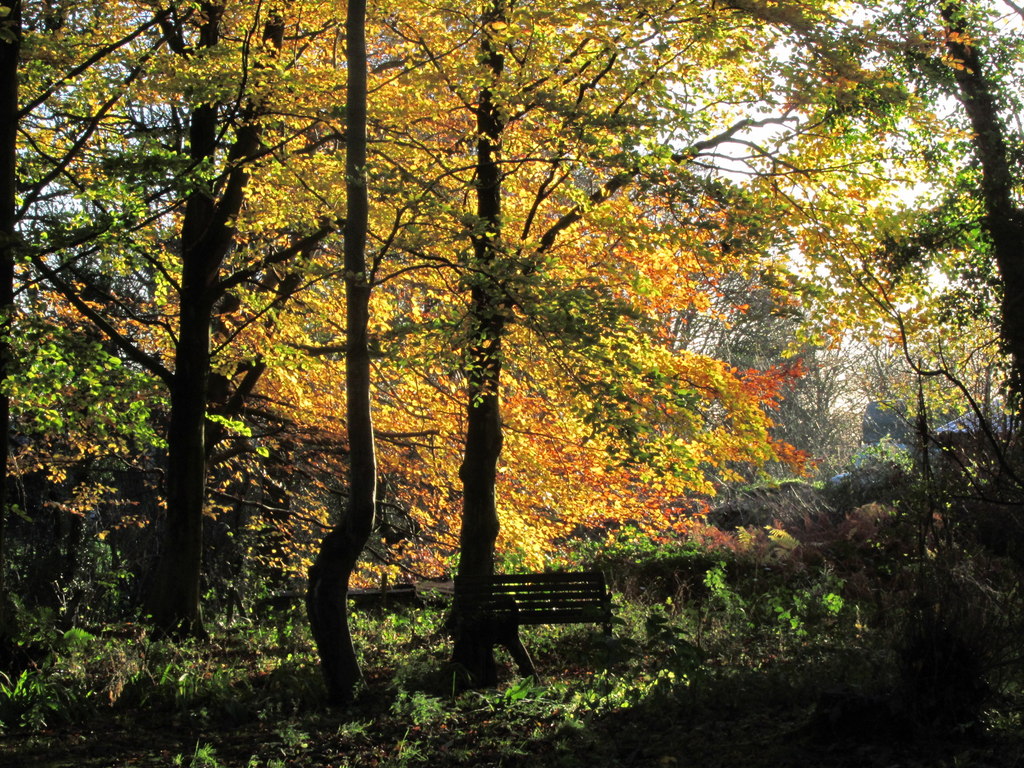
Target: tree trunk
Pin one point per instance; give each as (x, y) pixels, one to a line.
(271, 540)
(327, 596)
(175, 606)
(487, 311)
(10, 42)
(207, 236)
(1004, 221)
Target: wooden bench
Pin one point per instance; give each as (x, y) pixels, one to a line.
(502, 603)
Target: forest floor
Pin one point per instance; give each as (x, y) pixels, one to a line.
(724, 658)
(755, 720)
(768, 738)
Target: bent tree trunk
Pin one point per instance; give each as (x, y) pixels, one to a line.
(10, 42)
(327, 595)
(473, 649)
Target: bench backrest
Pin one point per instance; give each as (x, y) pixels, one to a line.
(538, 598)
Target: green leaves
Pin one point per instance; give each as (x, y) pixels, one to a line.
(235, 426)
(65, 383)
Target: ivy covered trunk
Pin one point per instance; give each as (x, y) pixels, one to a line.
(10, 39)
(487, 315)
(1004, 219)
(327, 595)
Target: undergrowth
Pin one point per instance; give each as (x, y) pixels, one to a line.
(817, 637)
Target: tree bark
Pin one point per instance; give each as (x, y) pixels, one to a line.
(327, 595)
(10, 43)
(487, 313)
(1004, 220)
(207, 236)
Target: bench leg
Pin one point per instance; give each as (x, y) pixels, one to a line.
(520, 655)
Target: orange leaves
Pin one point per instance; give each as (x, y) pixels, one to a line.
(766, 385)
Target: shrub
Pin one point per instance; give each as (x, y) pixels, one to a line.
(959, 642)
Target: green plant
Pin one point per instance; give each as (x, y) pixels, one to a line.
(419, 708)
(28, 701)
(256, 762)
(790, 610)
(354, 730)
(204, 756)
(722, 596)
(406, 753)
(885, 454)
(646, 570)
(291, 737)
(958, 644)
(679, 653)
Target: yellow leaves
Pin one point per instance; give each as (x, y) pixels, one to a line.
(954, 63)
(605, 418)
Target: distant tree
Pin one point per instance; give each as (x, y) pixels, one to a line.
(760, 323)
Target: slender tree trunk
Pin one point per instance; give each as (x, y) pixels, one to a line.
(487, 312)
(271, 540)
(327, 596)
(1004, 220)
(10, 40)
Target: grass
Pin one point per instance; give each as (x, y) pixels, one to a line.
(649, 697)
(723, 658)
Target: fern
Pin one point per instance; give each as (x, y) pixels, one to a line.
(781, 538)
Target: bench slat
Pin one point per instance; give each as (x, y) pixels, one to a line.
(521, 608)
(538, 598)
(534, 596)
(512, 589)
(552, 576)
